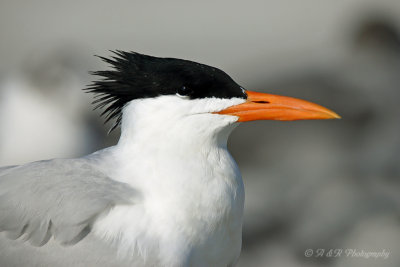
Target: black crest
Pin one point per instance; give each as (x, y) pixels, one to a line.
(135, 76)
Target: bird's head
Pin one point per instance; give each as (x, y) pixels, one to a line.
(174, 93)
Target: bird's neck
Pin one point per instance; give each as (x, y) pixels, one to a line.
(156, 149)
(155, 143)
(172, 139)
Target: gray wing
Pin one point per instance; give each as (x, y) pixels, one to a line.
(4, 169)
(60, 198)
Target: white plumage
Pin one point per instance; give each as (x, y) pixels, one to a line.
(192, 192)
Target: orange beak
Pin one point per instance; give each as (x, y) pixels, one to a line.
(260, 106)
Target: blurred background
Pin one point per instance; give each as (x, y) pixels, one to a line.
(309, 184)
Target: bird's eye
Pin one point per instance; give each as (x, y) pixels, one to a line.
(184, 91)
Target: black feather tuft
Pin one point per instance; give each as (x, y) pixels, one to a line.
(135, 76)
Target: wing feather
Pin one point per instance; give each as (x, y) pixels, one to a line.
(60, 198)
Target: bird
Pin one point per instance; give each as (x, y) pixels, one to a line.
(167, 194)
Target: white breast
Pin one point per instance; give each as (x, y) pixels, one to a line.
(189, 217)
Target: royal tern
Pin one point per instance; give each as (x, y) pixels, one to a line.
(168, 194)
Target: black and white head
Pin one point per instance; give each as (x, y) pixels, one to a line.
(175, 95)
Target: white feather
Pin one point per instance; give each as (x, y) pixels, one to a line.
(173, 150)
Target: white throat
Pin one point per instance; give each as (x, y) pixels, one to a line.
(175, 121)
